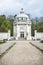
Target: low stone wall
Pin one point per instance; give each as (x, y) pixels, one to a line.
(5, 35)
(38, 35)
(37, 44)
(5, 46)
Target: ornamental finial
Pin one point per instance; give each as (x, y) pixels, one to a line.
(22, 11)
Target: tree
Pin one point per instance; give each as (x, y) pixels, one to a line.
(36, 25)
(5, 24)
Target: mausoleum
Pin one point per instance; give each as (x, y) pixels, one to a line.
(22, 26)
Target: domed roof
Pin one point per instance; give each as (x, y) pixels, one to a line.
(22, 14)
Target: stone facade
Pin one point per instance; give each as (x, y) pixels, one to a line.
(22, 26)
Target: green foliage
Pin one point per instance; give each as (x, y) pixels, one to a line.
(41, 41)
(1, 42)
(3, 29)
(5, 24)
(36, 25)
(11, 27)
(32, 29)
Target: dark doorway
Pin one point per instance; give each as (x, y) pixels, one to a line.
(22, 34)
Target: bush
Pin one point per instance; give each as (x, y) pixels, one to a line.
(4, 40)
(1, 42)
(41, 41)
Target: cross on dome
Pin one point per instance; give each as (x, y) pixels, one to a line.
(22, 11)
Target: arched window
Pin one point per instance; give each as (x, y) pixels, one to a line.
(21, 18)
(26, 19)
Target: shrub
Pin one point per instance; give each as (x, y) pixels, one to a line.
(41, 41)
(1, 41)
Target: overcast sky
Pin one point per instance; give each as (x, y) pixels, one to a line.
(11, 7)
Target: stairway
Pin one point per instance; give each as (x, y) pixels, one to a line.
(21, 38)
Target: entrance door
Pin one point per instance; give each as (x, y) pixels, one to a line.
(22, 34)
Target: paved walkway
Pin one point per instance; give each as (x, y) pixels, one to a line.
(23, 53)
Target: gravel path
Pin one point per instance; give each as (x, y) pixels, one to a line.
(22, 53)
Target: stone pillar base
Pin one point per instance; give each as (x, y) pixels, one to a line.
(16, 38)
(28, 38)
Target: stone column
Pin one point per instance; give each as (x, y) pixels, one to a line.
(35, 34)
(28, 32)
(18, 33)
(8, 34)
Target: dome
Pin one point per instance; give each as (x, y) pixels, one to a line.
(22, 14)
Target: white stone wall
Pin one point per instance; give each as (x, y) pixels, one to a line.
(5, 35)
(15, 30)
(38, 35)
(28, 32)
(18, 34)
